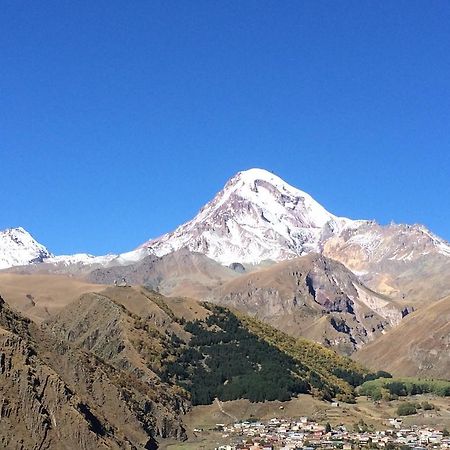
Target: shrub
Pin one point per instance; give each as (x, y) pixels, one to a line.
(427, 406)
(406, 409)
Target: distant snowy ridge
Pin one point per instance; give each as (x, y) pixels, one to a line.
(18, 248)
(80, 259)
(257, 216)
(85, 259)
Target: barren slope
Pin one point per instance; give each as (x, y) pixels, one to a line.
(55, 396)
(179, 273)
(38, 297)
(419, 346)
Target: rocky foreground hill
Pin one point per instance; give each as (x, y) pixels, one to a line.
(58, 395)
(118, 368)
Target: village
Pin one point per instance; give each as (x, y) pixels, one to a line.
(304, 434)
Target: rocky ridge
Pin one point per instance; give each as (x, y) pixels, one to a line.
(57, 395)
(315, 297)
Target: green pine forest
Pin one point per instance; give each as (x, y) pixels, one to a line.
(231, 356)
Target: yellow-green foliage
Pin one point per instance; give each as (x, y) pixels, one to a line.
(404, 386)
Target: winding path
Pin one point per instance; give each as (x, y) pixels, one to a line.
(219, 404)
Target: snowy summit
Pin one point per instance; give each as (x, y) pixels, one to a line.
(256, 217)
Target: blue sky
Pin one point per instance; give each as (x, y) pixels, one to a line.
(119, 120)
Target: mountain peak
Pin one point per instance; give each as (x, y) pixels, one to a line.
(253, 177)
(256, 216)
(15, 231)
(269, 190)
(18, 247)
(253, 174)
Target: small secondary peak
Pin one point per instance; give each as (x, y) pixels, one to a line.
(18, 247)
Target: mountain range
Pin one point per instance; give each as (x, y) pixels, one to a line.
(262, 295)
(257, 217)
(269, 249)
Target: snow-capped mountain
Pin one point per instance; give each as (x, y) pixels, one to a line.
(17, 247)
(256, 217)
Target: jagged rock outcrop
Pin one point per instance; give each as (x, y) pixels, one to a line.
(37, 408)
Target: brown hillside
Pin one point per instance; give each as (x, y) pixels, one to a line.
(314, 297)
(54, 395)
(419, 346)
(179, 273)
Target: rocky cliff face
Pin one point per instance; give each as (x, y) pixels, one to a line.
(55, 396)
(38, 409)
(314, 297)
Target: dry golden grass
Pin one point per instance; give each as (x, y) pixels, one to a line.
(39, 297)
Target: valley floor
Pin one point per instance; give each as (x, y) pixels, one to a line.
(205, 419)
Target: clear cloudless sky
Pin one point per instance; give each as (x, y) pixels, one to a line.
(120, 119)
